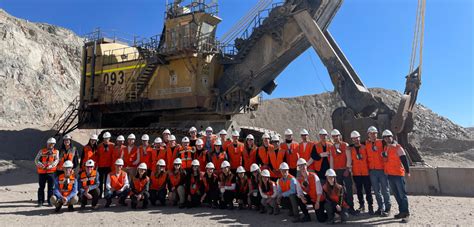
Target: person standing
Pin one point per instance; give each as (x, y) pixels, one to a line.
(320, 155)
(67, 152)
(104, 154)
(234, 152)
(131, 156)
(89, 152)
(249, 154)
(46, 161)
(396, 167)
(291, 149)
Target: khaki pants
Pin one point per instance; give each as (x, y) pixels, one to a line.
(58, 202)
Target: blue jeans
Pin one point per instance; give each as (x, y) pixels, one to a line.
(397, 185)
(381, 189)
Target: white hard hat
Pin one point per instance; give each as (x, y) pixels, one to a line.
(304, 132)
(158, 140)
(120, 138)
(355, 134)
(250, 137)
(335, 132)
(172, 138)
(177, 161)
(225, 164)
(106, 135)
(199, 142)
(288, 132)
(51, 140)
(145, 137)
(167, 131)
(94, 137)
(67, 137)
(330, 173)
(254, 167)
(218, 142)
(265, 136)
(240, 169)
(210, 165)
(161, 162)
(235, 133)
(195, 162)
(209, 129)
(131, 136)
(90, 163)
(119, 162)
(323, 132)
(275, 138)
(223, 132)
(193, 129)
(68, 164)
(301, 161)
(386, 132)
(142, 166)
(185, 140)
(284, 166)
(372, 129)
(265, 173)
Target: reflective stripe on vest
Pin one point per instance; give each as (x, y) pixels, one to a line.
(88, 180)
(66, 184)
(47, 158)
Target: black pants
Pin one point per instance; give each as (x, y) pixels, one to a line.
(158, 195)
(135, 201)
(103, 171)
(242, 197)
(195, 201)
(212, 197)
(330, 208)
(347, 183)
(292, 203)
(95, 197)
(109, 195)
(363, 182)
(42, 180)
(256, 200)
(320, 215)
(228, 199)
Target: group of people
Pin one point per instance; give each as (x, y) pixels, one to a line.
(220, 172)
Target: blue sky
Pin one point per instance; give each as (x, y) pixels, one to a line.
(375, 35)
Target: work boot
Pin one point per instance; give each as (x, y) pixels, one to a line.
(70, 208)
(241, 206)
(57, 209)
(134, 205)
(83, 206)
(353, 212)
(107, 204)
(263, 210)
(306, 218)
(122, 202)
(361, 209)
(378, 212)
(398, 216)
(371, 210)
(295, 219)
(270, 210)
(95, 207)
(40, 204)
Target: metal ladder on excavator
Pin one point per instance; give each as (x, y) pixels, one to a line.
(69, 119)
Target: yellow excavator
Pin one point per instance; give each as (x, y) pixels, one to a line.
(187, 77)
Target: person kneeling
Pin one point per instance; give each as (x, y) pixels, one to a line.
(89, 187)
(117, 185)
(194, 185)
(227, 184)
(334, 194)
(176, 184)
(311, 191)
(65, 189)
(158, 189)
(268, 191)
(140, 187)
(288, 188)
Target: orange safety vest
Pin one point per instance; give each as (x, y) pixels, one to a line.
(285, 185)
(118, 153)
(263, 153)
(217, 160)
(130, 158)
(158, 182)
(291, 153)
(393, 164)
(140, 183)
(226, 180)
(276, 158)
(170, 151)
(66, 157)
(339, 159)
(47, 159)
(86, 180)
(334, 193)
(66, 184)
(202, 158)
(226, 143)
(267, 189)
(175, 178)
(186, 156)
(310, 188)
(195, 183)
(249, 157)
(319, 149)
(147, 155)
(235, 154)
(359, 166)
(104, 156)
(243, 184)
(88, 153)
(117, 182)
(374, 154)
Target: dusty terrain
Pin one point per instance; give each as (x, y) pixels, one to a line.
(18, 193)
